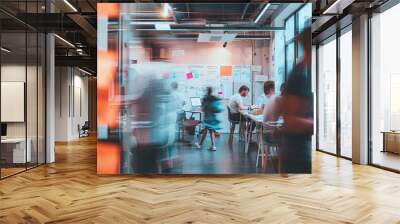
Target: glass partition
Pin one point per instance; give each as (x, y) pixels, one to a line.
(327, 96)
(346, 94)
(385, 89)
(334, 106)
(22, 89)
(14, 151)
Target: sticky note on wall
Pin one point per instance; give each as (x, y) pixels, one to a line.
(226, 70)
(189, 75)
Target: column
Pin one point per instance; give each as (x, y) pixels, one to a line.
(360, 90)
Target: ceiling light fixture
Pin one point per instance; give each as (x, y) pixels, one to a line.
(151, 22)
(335, 7)
(162, 26)
(70, 5)
(262, 12)
(84, 71)
(5, 50)
(166, 9)
(65, 41)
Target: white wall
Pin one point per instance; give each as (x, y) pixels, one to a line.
(16, 73)
(71, 94)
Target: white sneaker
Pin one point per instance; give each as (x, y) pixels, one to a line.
(213, 148)
(197, 145)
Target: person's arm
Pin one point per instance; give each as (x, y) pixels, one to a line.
(297, 116)
(240, 104)
(242, 107)
(298, 125)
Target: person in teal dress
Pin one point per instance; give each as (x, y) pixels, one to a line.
(211, 106)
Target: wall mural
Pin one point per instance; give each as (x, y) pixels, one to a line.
(170, 102)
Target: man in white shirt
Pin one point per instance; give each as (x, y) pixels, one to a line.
(236, 101)
(235, 105)
(270, 105)
(268, 95)
(260, 101)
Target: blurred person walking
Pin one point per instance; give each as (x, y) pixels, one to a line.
(211, 106)
(296, 109)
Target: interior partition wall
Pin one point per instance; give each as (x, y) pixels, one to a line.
(334, 94)
(22, 77)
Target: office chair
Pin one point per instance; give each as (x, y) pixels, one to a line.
(189, 125)
(84, 130)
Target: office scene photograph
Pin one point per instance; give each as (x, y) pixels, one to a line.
(204, 88)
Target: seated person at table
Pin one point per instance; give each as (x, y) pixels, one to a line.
(211, 106)
(266, 97)
(272, 109)
(236, 102)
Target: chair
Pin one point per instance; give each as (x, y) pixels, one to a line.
(270, 137)
(233, 122)
(84, 130)
(189, 125)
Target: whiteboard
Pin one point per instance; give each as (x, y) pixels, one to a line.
(12, 101)
(193, 79)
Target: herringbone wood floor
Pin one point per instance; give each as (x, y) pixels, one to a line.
(69, 191)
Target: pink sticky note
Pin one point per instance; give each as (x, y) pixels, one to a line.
(189, 75)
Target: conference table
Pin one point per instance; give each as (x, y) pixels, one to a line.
(247, 118)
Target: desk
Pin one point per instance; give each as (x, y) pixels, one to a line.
(260, 126)
(13, 150)
(391, 141)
